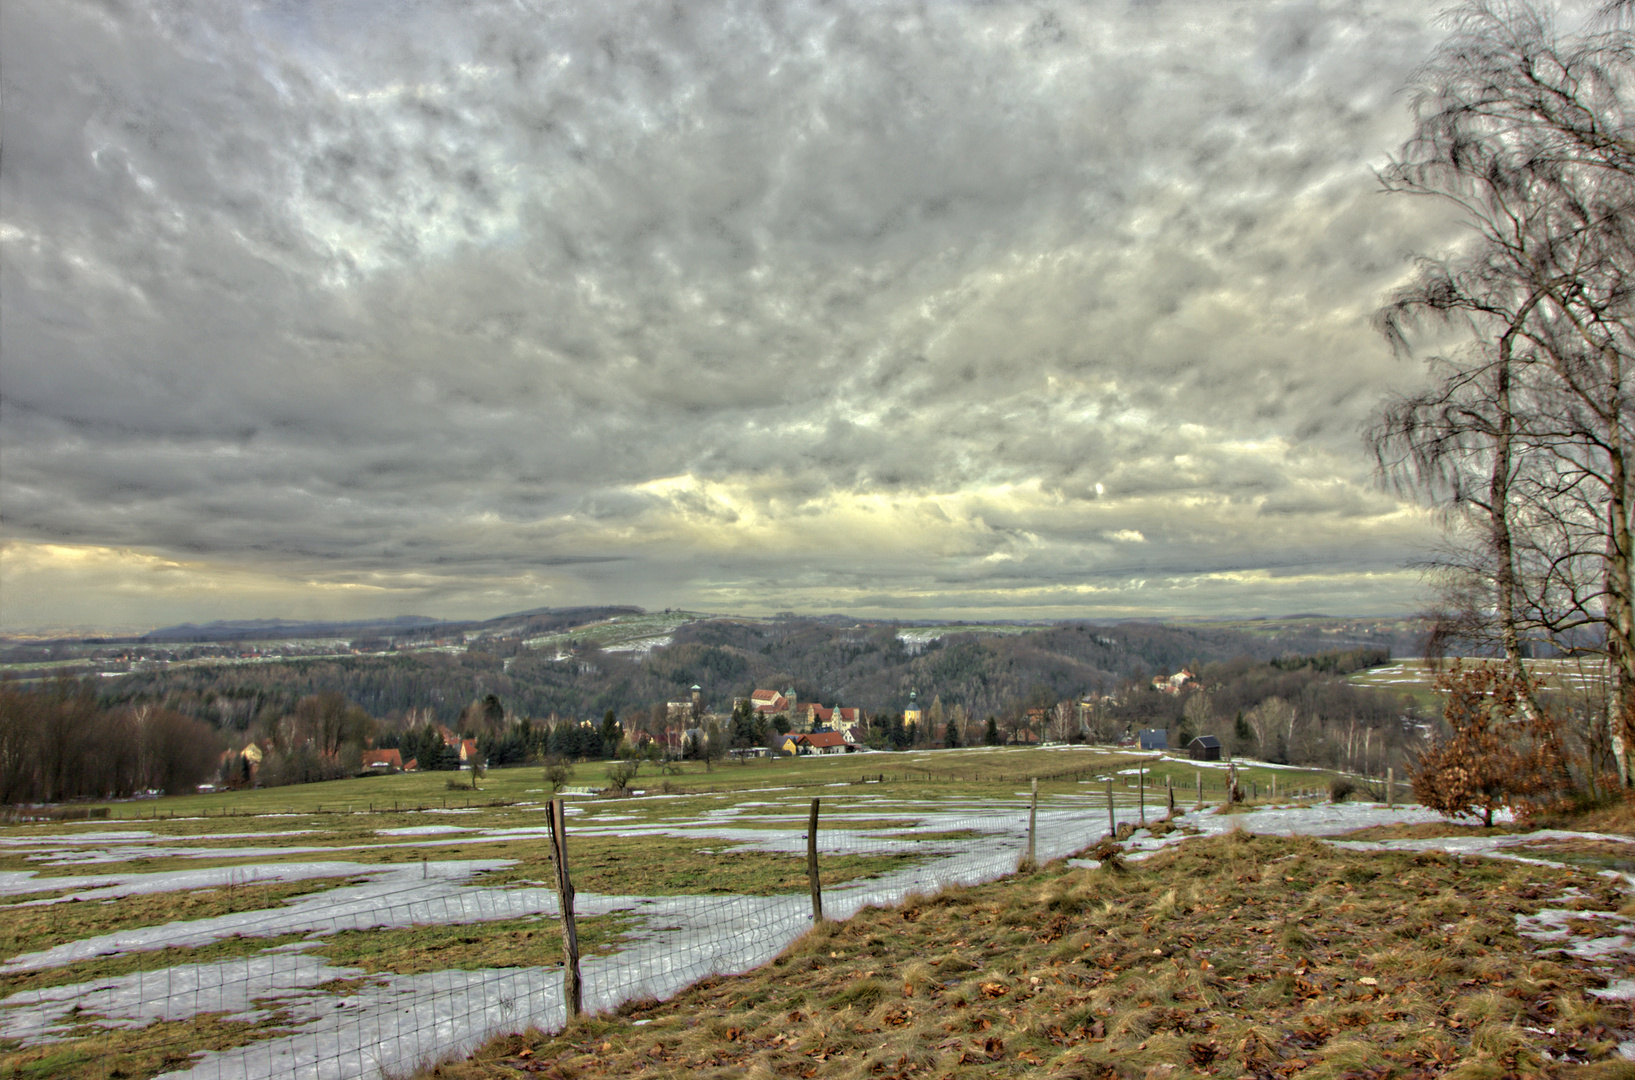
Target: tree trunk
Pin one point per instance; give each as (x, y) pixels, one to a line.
(1498, 512)
(1620, 605)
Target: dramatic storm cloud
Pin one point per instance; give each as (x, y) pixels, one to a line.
(459, 308)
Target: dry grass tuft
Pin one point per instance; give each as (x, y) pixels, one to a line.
(1232, 956)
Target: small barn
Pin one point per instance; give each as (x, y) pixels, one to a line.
(1154, 739)
(1205, 748)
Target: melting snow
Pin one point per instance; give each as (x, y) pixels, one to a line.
(391, 1022)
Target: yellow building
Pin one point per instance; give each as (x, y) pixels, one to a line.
(911, 715)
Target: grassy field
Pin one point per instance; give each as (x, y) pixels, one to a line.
(259, 867)
(356, 819)
(1229, 956)
(983, 772)
(262, 867)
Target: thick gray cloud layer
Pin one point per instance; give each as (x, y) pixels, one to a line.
(324, 308)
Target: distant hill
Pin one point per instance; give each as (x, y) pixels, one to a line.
(537, 620)
(263, 629)
(580, 662)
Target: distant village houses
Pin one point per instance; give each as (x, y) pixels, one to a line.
(803, 716)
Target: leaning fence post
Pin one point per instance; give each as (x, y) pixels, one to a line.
(1390, 788)
(572, 993)
(1033, 821)
(811, 864)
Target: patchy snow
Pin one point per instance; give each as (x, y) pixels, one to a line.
(55, 840)
(111, 886)
(393, 1022)
(641, 645)
(1242, 763)
(1552, 926)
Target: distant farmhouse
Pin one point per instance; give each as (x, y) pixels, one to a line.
(382, 761)
(1174, 684)
(823, 742)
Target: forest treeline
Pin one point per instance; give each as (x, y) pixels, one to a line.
(58, 742)
(311, 719)
(867, 666)
(1294, 710)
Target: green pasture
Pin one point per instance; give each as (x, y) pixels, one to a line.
(506, 795)
(1417, 678)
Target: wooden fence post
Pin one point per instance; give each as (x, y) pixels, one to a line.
(1033, 820)
(1390, 788)
(1141, 792)
(1112, 823)
(1200, 789)
(572, 988)
(811, 864)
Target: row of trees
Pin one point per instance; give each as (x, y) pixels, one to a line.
(57, 742)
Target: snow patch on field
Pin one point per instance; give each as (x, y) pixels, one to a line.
(391, 1022)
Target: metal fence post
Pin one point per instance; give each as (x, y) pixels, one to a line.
(572, 988)
(811, 864)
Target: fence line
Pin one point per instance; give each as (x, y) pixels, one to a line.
(350, 1016)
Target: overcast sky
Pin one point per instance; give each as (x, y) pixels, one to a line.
(456, 308)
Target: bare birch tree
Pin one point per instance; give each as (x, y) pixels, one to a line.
(1525, 433)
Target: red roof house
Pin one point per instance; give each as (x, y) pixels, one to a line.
(770, 701)
(822, 742)
(383, 760)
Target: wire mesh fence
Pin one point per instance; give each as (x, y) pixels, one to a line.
(404, 965)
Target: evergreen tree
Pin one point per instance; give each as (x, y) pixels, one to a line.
(1243, 736)
(565, 739)
(991, 735)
